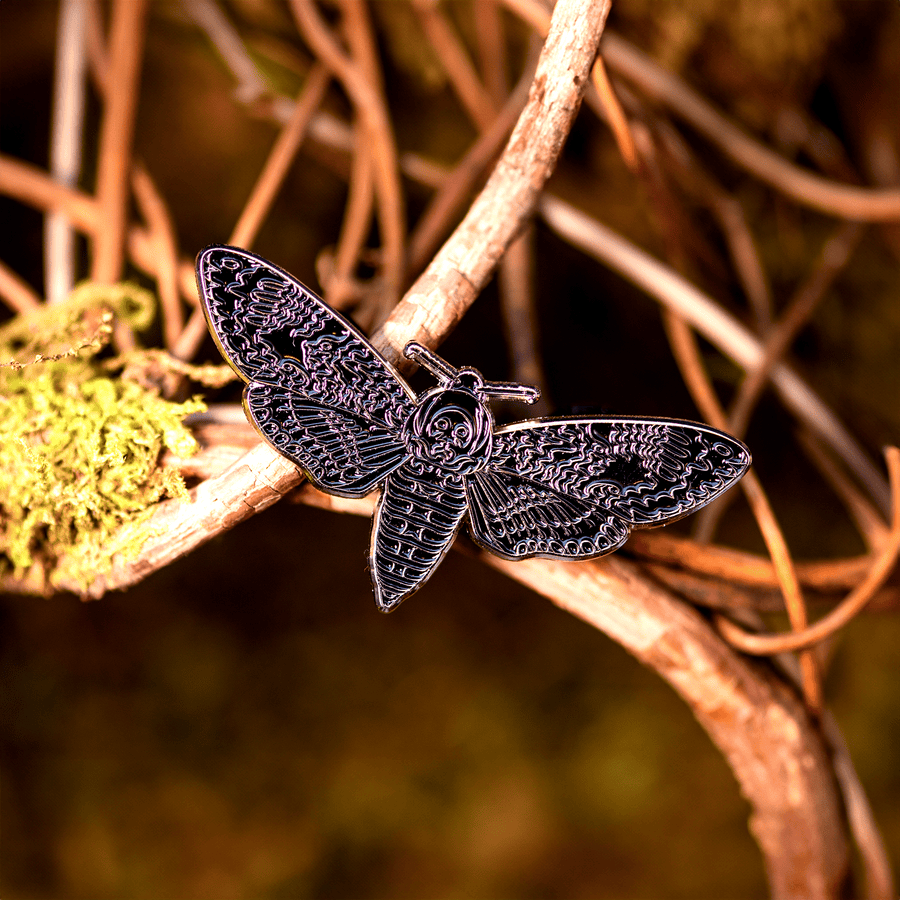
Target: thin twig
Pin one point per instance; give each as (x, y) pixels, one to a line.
(729, 213)
(687, 355)
(192, 337)
(708, 318)
(869, 523)
(69, 90)
(33, 186)
(461, 74)
(360, 37)
(489, 37)
(16, 292)
(833, 198)
(370, 106)
(210, 18)
(879, 878)
(280, 158)
(165, 252)
(516, 283)
(886, 560)
(734, 599)
(741, 567)
(458, 184)
(342, 287)
(533, 12)
(339, 285)
(98, 60)
(615, 115)
(116, 130)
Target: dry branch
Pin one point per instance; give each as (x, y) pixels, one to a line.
(126, 45)
(441, 295)
(765, 734)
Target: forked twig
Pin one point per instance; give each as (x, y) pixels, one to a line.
(371, 109)
(834, 256)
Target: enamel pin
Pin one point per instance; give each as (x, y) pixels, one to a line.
(565, 488)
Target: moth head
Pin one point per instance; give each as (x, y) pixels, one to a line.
(452, 427)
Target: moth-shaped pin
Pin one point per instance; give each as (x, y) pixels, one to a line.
(321, 395)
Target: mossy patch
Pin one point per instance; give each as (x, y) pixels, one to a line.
(79, 449)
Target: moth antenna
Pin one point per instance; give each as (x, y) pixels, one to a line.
(440, 368)
(511, 390)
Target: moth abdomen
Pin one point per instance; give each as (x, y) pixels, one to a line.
(419, 512)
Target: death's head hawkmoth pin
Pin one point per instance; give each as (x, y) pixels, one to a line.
(564, 488)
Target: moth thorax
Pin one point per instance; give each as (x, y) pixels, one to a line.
(451, 429)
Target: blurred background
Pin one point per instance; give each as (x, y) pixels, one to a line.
(243, 723)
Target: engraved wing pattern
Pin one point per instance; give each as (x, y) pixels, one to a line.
(320, 394)
(647, 471)
(271, 328)
(517, 517)
(317, 390)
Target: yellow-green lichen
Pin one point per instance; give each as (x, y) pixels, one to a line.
(79, 450)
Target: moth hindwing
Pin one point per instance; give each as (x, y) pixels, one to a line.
(321, 395)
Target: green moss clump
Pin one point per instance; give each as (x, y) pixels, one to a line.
(79, 450)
